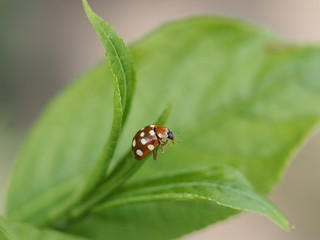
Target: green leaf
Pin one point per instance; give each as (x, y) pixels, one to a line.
(4, 233)
(120, 62)
(221, 185)
(19, 231)
(119, 57)
(57, 138)
(242, 96)
(56, 155)
(159, 221)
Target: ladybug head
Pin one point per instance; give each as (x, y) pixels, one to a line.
(170, 135)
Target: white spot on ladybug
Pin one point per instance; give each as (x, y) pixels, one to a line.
(133, 143)
(152, 133)
(142, 134)
(162, 135)
(143, 141)
(151, 147)
(152, 126)
(139, 152)
(141, 129)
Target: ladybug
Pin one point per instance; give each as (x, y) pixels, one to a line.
(150, 138)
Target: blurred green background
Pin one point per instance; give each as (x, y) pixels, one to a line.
(45, 44)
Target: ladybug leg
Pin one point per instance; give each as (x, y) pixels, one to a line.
(160, 146)
(155, 152)
(165, 142)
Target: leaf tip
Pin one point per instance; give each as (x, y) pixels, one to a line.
(283, 223)
(86, 8)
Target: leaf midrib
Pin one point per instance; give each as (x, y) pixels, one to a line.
(118, 59)
(151, 190)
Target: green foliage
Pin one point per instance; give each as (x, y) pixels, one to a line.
(120, 62)
(242, 99)
(217, 184)
(19, 231)
(4, 234)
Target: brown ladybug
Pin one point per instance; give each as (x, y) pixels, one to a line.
(150, 138)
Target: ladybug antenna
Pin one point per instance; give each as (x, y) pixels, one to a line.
(174, 140)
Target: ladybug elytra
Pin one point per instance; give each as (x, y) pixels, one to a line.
(150, 138)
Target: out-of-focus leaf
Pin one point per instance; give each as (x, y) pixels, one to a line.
(4, 233)
(158, 221)
(59, 138)
(242, 96)
(20, 231)
(61, 148)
